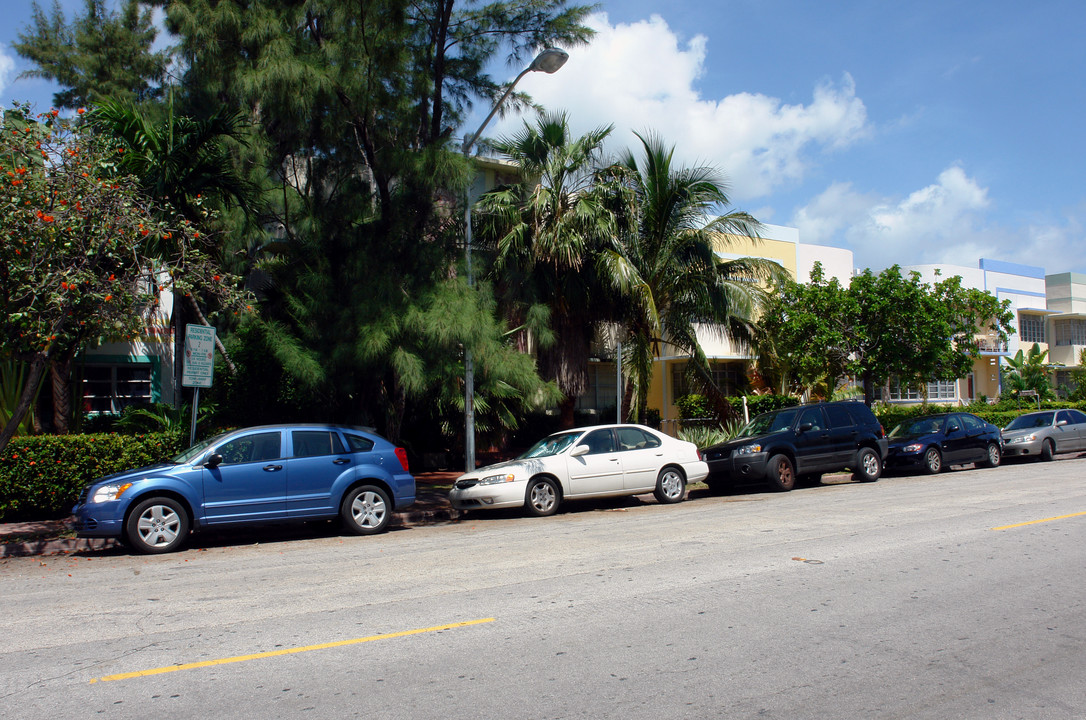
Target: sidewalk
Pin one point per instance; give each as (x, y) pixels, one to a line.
(56, 537)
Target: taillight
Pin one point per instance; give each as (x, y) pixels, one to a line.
(882, 431)
(402, 455)
(700, 456)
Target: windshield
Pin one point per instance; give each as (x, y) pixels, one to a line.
(919, 426)
(185, 457)
(768, 423)
(551, 445)
(1036, 420)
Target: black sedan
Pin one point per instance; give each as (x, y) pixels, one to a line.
(932, 442)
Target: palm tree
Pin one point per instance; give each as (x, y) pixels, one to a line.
(666, 264)
(547, 233)
(185, 164)
(1029, 371)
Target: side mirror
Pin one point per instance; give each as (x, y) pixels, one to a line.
(953, 428)
(579, 451)
(805, 427)
(1061, 422)
(213, 461)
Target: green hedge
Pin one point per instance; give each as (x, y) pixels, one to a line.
(695, 406)
(999, 414)
(41, 476)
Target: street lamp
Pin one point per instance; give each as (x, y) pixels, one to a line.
(548, 61)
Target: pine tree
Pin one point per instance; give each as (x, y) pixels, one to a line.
(100, 55)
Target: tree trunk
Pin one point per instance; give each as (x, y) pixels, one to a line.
(869, 388)
(60, 371)
(37, 370)
(218, 343)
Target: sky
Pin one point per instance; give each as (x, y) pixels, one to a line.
(934, 131)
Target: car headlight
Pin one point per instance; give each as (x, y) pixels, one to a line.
(109, 492)
(496, 479)
(748, 449)
(1024, 438)
(915, 447)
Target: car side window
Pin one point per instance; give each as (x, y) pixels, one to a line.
(1077, 417)
(313, 443)
(357, 443)
(814, 417)
(1063, 418)
(257, 447)
(635, 439)
(838, 416)
(599, 442)
(970, 422)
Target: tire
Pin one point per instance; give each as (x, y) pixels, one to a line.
(366, 510)
(718, 487)
(670, 485)
(992, 457)
(541, 498)
(1048, 449)
(933, 461)
(868, 466)
(780, 473)
(156, 525)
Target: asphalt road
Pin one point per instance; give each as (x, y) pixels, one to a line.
(956, 596)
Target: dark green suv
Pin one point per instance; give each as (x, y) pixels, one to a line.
(800, 443)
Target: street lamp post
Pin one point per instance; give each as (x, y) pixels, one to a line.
(548, 61)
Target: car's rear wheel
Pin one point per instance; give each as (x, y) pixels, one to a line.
(670, 485)
(1048, 450)
(993, 457)
(781, 474)
(933, 461)
(868, 466)
(156, 525)
(366, 510)
(541, 498)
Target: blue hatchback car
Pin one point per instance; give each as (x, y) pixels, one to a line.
(271, 473)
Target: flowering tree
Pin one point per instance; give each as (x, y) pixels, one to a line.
(75, 240)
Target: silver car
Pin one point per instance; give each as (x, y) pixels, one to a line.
(1045, 433)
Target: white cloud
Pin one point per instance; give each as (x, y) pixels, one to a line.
(639, 77)
(7, 68)
(945, 222)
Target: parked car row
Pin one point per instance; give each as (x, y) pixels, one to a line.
(278, 473)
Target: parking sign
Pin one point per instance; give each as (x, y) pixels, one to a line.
(199, 361)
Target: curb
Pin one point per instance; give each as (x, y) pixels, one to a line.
(71, 545)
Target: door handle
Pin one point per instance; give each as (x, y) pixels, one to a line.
(272, 468)
(340, 461)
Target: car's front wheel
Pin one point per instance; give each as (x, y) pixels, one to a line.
(1048, 450)
(868, 466)
(366, 510)
(156, 525)
(541, 497)
(933, 461)
(781, 475)
(670, 486)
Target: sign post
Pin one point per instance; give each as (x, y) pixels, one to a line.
(199, 366)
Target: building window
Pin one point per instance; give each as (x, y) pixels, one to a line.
(601, 393)
(1070, 332)
(1031, 328)
(938, 390)
(112, 388)
(729, 378)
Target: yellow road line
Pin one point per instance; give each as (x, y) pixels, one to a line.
(286, 651)
(1034, 522)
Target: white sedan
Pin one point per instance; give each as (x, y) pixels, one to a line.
(600, 461)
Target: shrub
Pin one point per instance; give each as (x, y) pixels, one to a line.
(42, 476)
